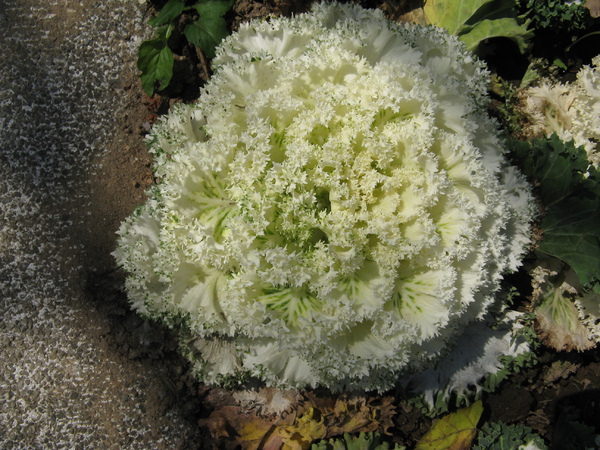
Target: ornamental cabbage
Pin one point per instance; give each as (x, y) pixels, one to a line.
(335, 208)
(572, 111)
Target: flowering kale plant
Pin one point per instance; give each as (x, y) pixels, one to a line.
(334, 210)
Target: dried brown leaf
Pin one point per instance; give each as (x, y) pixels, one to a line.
(593, 6)
(231, 427)
(308, 428)
(559, 370)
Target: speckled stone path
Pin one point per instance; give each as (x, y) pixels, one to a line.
(64, 381)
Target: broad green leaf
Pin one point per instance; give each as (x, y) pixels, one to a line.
(506, 27)
(210, 28)
(451, 14)
(213, 7)
(570, 194)
(455, 431)
(580, 252)
(493, 9)
(171, 11)
(476, 20)
(155, 60)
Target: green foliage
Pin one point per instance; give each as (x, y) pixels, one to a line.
(500, 436)
(528, 333)
(556, 15)
(364, 441)
(208, 31)
(171, 11)
(510, 366)
(570, 195)
(496, 361)
(474, 21)
(557, 25)
(508, 111)
(155, 59)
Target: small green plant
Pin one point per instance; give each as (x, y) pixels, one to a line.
(508, 102)
(155, 58)
(557, 26)
(364, 441)
(500, 436)
(556, 15)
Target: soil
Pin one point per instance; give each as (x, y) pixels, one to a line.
(79, 369)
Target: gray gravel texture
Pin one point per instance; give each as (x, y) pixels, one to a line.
(77, 369)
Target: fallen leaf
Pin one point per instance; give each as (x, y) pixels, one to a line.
(558, 370)
(455, 431)
(231, 427)
(219, 427)
(308, 428)
(593, 6)
(360, 414)
(416, 16)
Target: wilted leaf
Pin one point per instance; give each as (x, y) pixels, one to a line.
(559, 370)
(308, 428)
(354, 414)
(253, 425)
(417, 16)
(593, 6)
(219, 426)
(364, 441)
(361, 415)
(233, 428)
(455, 431)
(559, 324)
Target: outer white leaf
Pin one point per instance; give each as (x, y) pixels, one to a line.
(475, 356)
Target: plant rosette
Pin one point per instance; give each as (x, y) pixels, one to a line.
(334, 210)
(572, 111)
